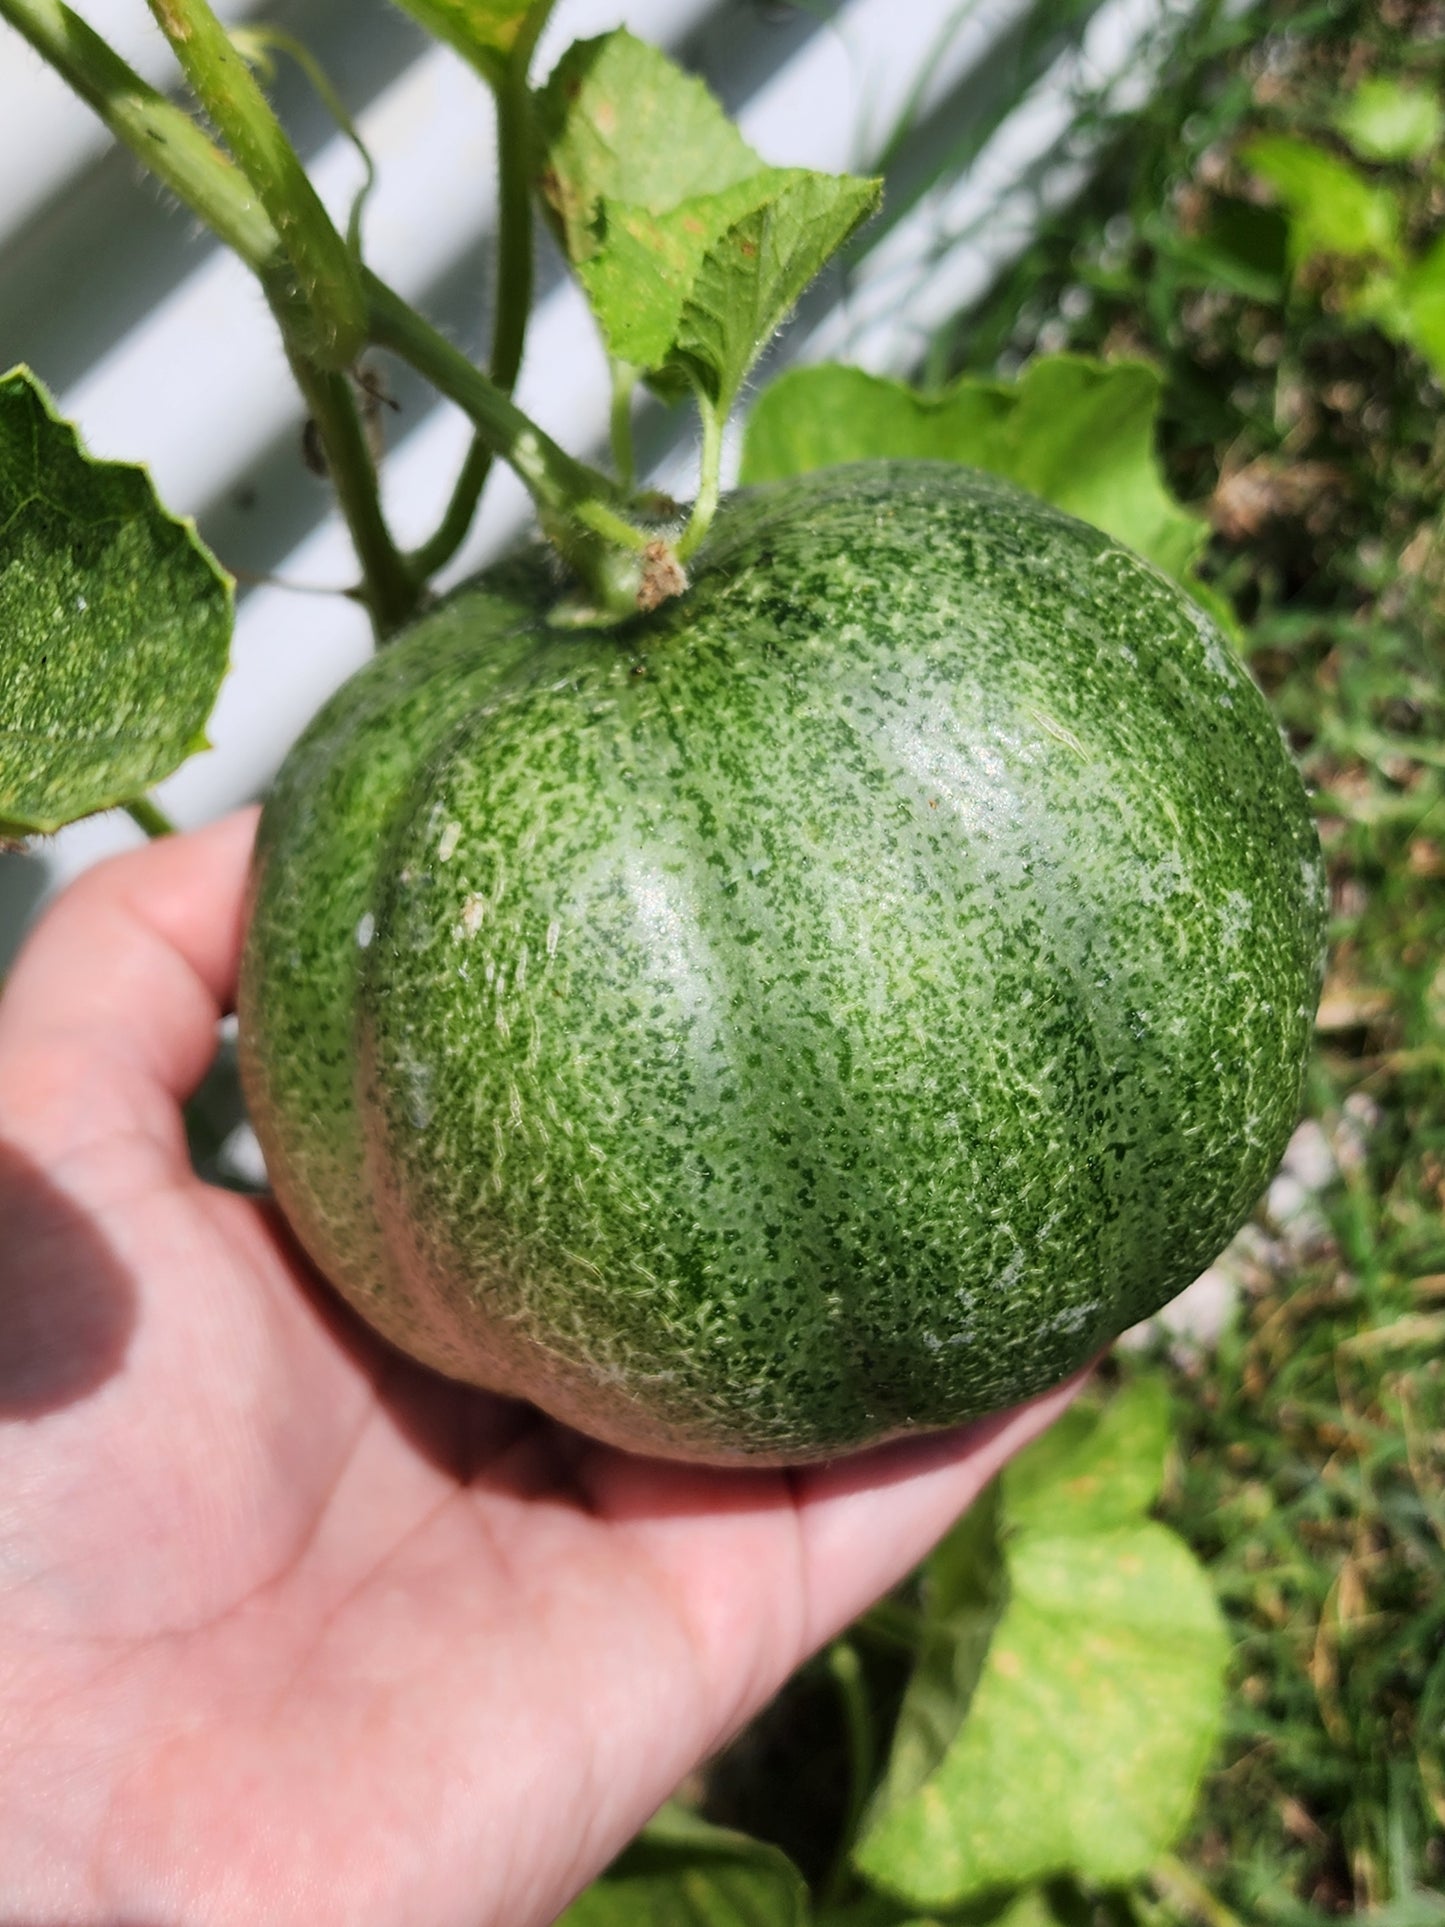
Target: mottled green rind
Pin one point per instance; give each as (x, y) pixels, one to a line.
(833, 1007)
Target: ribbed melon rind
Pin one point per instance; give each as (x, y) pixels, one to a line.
(832, 1008)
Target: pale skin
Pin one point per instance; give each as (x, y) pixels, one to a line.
(294, 1631)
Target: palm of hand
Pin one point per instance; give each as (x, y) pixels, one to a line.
(293, 1629)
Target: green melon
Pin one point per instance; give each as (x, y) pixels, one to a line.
(831, 1007)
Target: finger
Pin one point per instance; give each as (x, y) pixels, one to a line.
(727, 1580)
(766, 1566)
(116, 995)
(863, 1523)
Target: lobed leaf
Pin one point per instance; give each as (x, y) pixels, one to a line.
(1079, 433)
(691, 250)
(115, 624)
(1081, 1740)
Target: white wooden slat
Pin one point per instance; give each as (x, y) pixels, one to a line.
(953, 245)
(835, 106)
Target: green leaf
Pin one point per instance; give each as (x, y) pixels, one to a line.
(1333, 208)
(618, 121)
(1077, 432)
(753, 274)
(482, 31)
(691, 250)
(1094, 1470)
(682, 1872)
(1420, 295)
(115, 624)
(1098, 1702)
(1388, 120)
(965, 1590)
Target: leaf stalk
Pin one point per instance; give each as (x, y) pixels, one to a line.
(624, 454)
(709, 482)
(150, 817)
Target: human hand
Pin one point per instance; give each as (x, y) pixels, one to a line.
(292, 1630)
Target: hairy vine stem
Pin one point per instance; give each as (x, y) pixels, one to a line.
(709, 479)
(318, 302)
(150, 817)
(163, 137)
(582, 512)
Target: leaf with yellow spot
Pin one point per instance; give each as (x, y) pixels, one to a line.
(1094, 1468)
(1081, 1740)
(691, 250)
(620, 122)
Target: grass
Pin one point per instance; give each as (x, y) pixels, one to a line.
(1311, 1474)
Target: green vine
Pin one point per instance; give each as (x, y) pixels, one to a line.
(516, 153)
